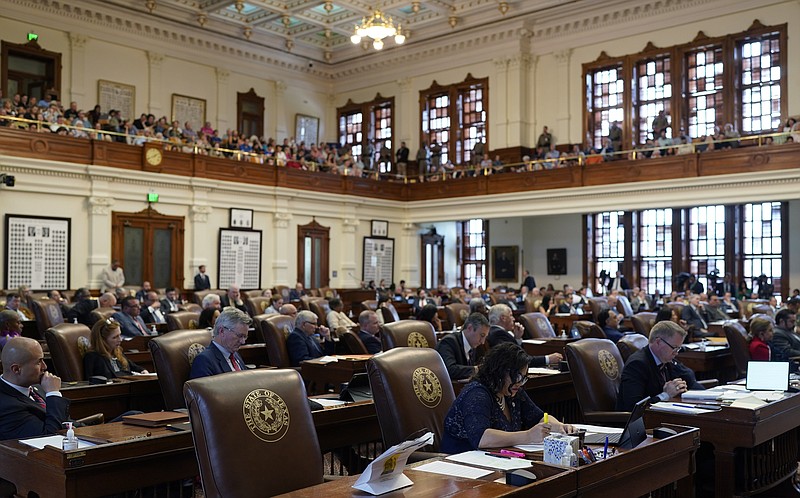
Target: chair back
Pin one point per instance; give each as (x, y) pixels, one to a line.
(182, 320)
(588, 329)
(274, 331)
(643, 322)
(173, 355)
(257, 305)
(199, 295)
(740, 349)
(596, 368)
(47, 312)
(597, 304)
(536, 325)
(194, 308)
(253, 293)
(411, 391)
(318, 307)
(389, 313)
(408, 333)
(283, 291)
(676, 305)
(98, 314)
(762, 309)
(353, 342)
(624, 306)
(64, 341)
(235, 441)
(629, 344)
(746, 307)
(370, 304)
(457, 313)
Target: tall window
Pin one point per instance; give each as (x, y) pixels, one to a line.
(655, 234)
(760, 67)
(763, 242)
(609, 242)
(455, 117)
(382, 128)
(472, 253)
(706, 241)
(351, 133)
(604, 100)
(368, 126)
(704, 71)
(653, 80)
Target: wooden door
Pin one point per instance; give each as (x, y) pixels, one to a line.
(313, 242)
(432, 258)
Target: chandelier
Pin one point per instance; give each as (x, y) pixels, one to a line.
(377, 26)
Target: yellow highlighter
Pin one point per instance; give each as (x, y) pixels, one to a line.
(546, 418)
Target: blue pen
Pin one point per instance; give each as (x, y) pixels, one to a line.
(683, 406)
(605, 449)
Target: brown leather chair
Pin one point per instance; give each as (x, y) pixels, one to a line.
(305, 301)
(629, 344)
(283, 291)
(762, 309)
(389, 313)
(740, 348)
(407, 333)
(274, 332)
(597, 304)
(411, 391)
(624, 306)
(67, 343)
(234, 444)
(596, 368)
(676, 305)
(257, 305)
(737, 326)
(182, 320)
(199, 295)
(588, 329)
(48, 314)
(173, 355)
(253, 293)
(643, 322)
(353, 342)
(194, 308)
(319, 309)
(457, 313)
(536, 325)
(98, 314)
(370, 304)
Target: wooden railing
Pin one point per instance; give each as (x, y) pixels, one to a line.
(53, 147)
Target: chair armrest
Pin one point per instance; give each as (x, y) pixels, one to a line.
(708, 383)
(613, 419)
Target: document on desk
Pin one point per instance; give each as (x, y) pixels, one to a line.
(749, 402)
(327, 402)
(481, 459)
(54, 441)
(385, 473)
(533, 341)
(681, 408)
(598, 429)
(453, 469)
(530, 448)
(327, 359)
(541, 371)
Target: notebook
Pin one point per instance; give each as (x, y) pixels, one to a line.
(767, 376)
(631, 436)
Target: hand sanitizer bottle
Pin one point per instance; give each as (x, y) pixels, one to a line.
(70, 442)
(569, 459)
(153, 330)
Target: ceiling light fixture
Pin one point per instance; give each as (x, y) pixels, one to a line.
(377, 26)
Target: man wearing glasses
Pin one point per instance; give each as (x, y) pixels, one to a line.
(221, 356)
(459, 350)
(303, 344)
(653, 372)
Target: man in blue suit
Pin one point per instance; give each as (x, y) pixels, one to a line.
(302, 342)
(230, 332)
(128, 318)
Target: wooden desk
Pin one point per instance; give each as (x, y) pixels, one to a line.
(317, 374)
(565, 322)
(551, 345)
(714, 363)
(113, 399)
(754, 450)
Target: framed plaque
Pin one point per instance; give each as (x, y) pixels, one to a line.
(306, 129)
(239, 258)
(119, 96)
(378, 259)
(379, 228)
(37, 252)
(241, 218)
(189, 109)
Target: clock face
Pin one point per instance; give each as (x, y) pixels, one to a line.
(153, 156)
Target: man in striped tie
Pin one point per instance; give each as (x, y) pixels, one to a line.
(221, 356)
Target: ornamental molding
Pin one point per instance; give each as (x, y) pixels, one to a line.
(281, 220)
(200, 213)
(349, 225)
(77, 41)
(100, 205)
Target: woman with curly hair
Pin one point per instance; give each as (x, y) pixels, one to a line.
(494, 411)
(104, 356)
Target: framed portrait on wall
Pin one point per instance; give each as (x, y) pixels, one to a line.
(505, 264)
(241, 218)
(37, 252)
(556, 261)
(379, 228)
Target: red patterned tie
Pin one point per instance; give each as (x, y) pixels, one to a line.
(235, 364)
(38, 399)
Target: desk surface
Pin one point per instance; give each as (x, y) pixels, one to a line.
(113, 399)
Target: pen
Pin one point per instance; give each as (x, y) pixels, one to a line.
(497, 455)
(512, 453)
(546, 418)
(683, 406)
(605, 449)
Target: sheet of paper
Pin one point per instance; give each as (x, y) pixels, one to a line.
(480, 458)
(710, 394)
(530, 448)
(533, 341)
(327, 359)
(329, 402)
(676, 408)
(768, 395)
(749, 402)
(541, 371)
(385, 473)
(453, 469)
(54, 441)
(598, 429)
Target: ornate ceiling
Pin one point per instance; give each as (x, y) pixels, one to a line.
(320, 29)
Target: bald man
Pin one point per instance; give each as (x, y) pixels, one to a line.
(30, 401)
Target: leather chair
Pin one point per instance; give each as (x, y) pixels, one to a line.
(408, 333)
(233, 444)
(737, 326)
(457, 313)
(353, 342)
(182, 320)
(676, 305)
(98, 314)
(597, 304)
(762, 309)
(588, 330)
(253, 293)
(273, 330)
(643, 322)
(319, 308)
(194, 308)
(404, 404)
(740, 349)
(370, 304)
(173, 355)
(305, 301)
(199, 295)
(67, 342)
(389, 313)
(48, 314)
(624, 306)
(256, 305)
(536, 325)
(283, 291)
(596, 368)
(629, 344)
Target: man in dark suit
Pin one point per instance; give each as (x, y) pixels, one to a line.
(296, 293)
(151, 309)
(80, 311)
(653, 372)
(141, 294)
(302, 343)
(230, 332)
(619, 283)
(421, 300)
(201, 280)
(785, 342)
(694, 315)
(129, 320)
(370, 327)
(459, 349)
(170, 303)
(608, 320)
(503, 328)
(30, 402)
(726, 285)
(233, 298)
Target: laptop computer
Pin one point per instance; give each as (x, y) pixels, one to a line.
(358, 389)
(767, 376)
(630, 437)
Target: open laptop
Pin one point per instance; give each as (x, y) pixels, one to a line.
(767, 376)
(631, 436)
(358, 389)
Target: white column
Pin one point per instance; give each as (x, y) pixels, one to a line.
(517, 99)
(409, 256)
(77, 91)
(349, 270)
(280, 265)
(99, 237)
(281, 124)
(155, 61)
(561, 131)
(199, 216)
(224, 99)
(498, 135)
(405, 109)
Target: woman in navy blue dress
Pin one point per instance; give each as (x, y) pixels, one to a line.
(494, 411)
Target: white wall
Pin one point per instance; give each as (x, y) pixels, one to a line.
(554, 232)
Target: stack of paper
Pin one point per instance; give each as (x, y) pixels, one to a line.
(481, 459)
(541, 371)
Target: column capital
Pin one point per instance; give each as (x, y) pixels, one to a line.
(521, 61)
(350, 225)
(77, 41)
(200, 213)
(100, 205)
(410, 228)
(281, 86)
(281, 220)
(500, 63)
(222, 75)
(562, 56)
(404, 84)
(155, 59)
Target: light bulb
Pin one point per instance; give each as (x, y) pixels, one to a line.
(377, 44)
(355, 39)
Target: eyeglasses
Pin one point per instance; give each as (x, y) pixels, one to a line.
(518, 379)
(674, 349)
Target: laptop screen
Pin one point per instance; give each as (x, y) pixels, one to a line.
(634, 432)
(768, 375)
